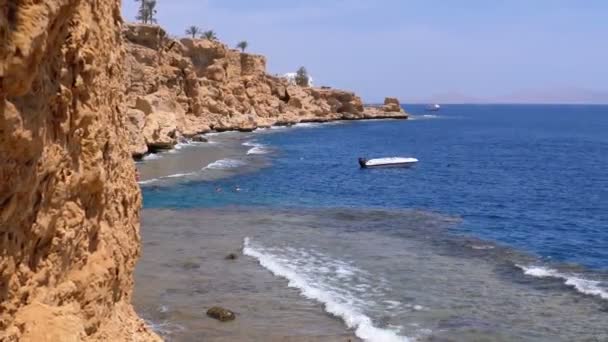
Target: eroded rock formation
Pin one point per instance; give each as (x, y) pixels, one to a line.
(182, 88)
(69, 203)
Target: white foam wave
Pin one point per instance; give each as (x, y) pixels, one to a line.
(586, 286)
(178, 175)
(255, 148)
(148, 181)
(279, 127)
(154, 180)
(308, 124)
(213, 134)
(310, 280)
(151, 156)
(225, 164)
(177, 147)
(482, 247)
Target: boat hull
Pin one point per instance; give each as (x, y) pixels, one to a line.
(383, 166)
(387, 162)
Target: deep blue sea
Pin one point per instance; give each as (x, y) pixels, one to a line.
(534, 177)
(499, 233)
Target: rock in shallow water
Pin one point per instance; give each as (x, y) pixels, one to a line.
(232, 256)
(199, 138)
(221, 314)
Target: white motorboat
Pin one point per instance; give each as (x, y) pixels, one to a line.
(387, 162)
(433, 108)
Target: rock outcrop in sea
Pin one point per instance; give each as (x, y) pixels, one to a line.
(190, 86)
(69, 202)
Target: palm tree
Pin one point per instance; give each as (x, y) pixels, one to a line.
(146, 12)
(193, 31)
(242, 45)
(210, 35)
(142, 5)
(151, 9)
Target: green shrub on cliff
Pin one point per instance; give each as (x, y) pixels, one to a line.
(302, 78)
(193, 31)
(242, 45)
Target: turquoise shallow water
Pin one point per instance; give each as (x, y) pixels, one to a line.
(500, 233)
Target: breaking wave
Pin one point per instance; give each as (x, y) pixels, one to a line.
(154, 180)
(151, 156)
(223, 164)
(148, 181)
(255, 148)
(329, 285)
(586, 286)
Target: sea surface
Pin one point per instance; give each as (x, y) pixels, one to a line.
(499, 233)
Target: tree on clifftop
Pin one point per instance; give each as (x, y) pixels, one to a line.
(302, 78)
(210, 35)
(147, 11)
(142, 5)
(242, 45)
(193, 31)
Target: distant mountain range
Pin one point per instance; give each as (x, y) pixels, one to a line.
(531, 96)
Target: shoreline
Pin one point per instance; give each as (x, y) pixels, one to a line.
(188, 138)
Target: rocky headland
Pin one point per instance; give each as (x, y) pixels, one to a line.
(181, 88)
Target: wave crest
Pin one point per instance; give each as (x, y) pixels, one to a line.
(223, 164)
(586, 286)
(336, 301)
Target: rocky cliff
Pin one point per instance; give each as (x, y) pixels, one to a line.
(182, 88)
(69, 203)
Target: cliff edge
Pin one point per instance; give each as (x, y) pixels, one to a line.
(69, 203)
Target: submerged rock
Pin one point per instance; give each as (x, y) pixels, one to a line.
(232, 256)
(221, 314)
(199, 138)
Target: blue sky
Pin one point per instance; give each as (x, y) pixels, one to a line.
(416, 50)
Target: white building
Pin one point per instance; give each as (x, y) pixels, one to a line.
(291, 78)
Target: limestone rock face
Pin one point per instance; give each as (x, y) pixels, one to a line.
(390, 109)
(208, 86)
(392, 105)
(69, 203)
(136, 123)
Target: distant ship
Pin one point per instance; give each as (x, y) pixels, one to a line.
(433, 108)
